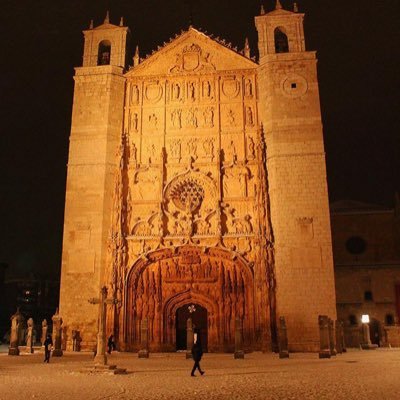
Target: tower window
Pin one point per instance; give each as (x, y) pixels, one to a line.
(281, 41)
(353, 320)
(104, 54)
(389, 319)
(368, 295)
(293, 85)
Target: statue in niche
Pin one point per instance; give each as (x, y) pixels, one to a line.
(231, 118)
(248, 88)
(251, 148)
(134, 154)
(202, 226)
(147, 184)
(249, 116)
(191, 119)
(176, 118)
(208, 147)
(134, 94)
(208, 115)
(207, 89)
(192, 91)
(231, 155)
(243, 225)
(153, 120)
(176, 91)
(135, 122)
(151, 152)
(175, 148)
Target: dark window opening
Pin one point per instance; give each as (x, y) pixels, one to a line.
(281, 41)
(353, 320)
(104, 53)
(356, 245)
(293, 85)
(389, 319)
(368, 296)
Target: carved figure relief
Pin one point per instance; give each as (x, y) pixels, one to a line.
(207, 90)
(208, 116)
(235, 181)
(191, 91)
(191, 119)
(251, 152)
(249, 116)
(192, 147)
(176, 118)
(176, 91)
(153, 120)
(248, 88)
(134, 94)
(208, 147)
(230, 153)
(153, 92)
(175, 148)
(231, 117)
(146, 183)
(134, 122)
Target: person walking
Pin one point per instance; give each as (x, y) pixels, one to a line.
(48, 343)
(111, 344)
(197, 353)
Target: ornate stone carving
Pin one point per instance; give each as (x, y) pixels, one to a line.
(248, 88)
(134, 94)
(191, 118)
(251, 153)
(208, 116)
(153, 92)
(176, 118)
(249, 116)
(230, 87)
(192, 58)
(175, 149)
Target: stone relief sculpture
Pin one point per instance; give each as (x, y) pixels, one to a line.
(176, 91)
(175, 149)
(249, 116)
(248, 88)
(134, 94)
(192, 58)
(251, 153)
(231, 117)
(207, 89)
(176, 118)
(153, 120)
(208, 116)
(191, 119)
(208, 147)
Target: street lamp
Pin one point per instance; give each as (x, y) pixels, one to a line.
(366, 345)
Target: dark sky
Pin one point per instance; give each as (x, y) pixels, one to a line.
(357, 43)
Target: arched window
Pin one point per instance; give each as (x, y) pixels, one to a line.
(281, 41)
(353, 320)
(368, 296)
(104, 53)
(389, 319)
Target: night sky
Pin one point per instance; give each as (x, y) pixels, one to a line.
(357, 43)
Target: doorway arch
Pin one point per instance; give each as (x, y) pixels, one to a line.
(199, 317)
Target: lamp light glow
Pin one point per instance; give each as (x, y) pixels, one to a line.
(365, 319)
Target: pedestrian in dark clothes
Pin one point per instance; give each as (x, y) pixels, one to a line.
(48, 343)
(197, 353)
(111, 344)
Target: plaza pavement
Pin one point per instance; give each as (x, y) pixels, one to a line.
(354, 375)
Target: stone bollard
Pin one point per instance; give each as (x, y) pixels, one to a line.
(44, 332)
(344, 349)
(338, 337)
(189, 338)
(239, 353)
(57, 332)
(17, 321)
(323, 323)
(283, 339)
(144, 339)
(331, 330)
(29, 336)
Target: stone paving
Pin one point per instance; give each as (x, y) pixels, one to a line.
(354, 375)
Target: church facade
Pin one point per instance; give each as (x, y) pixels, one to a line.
(197, 188)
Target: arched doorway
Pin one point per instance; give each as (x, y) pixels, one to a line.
(375, 332)
(199, 317)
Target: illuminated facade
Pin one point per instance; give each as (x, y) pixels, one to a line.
(197, 178)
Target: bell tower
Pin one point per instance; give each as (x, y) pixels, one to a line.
(96, 130)
(289, 108)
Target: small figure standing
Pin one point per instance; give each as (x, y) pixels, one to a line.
(197, 353)
(110, 344)
(48, 343)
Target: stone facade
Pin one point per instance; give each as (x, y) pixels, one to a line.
(367, 270)
(196, 181)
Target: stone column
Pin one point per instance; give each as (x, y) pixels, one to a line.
(283, 339)
(324, 351)
(101, 358)
(189, 338)
(44, 332)
(339, 339)
(144, 339)
(239, 353)
(331, 330)
(29, 336)
(57, 332)
(17, 321)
